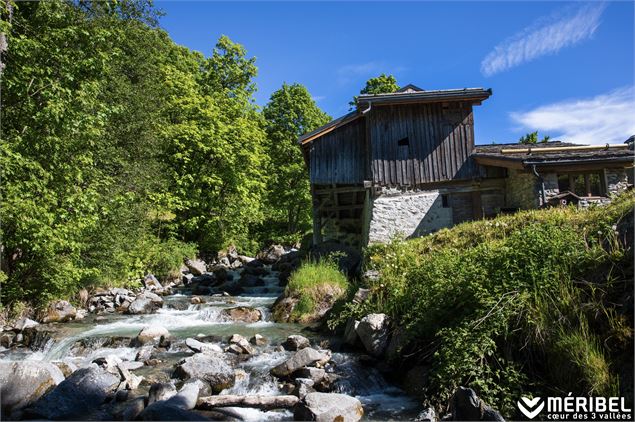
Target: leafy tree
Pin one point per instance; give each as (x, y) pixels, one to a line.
(532, 138)
(78, 157)
(216, 146)
(381, 84)
(290, 112)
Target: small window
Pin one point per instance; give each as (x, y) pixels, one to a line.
(444, 201)
(403, 142)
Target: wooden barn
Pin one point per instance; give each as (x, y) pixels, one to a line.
(402, 164)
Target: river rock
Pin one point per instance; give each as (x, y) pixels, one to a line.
(144, 353)
(303, 357)
(59, 311)
(22, 383)
(465, 405)
(151, 283)
(258, 340)
(161, 391)
(200, 347)
(6, 339)
(209, 368)
(140, 306)
(150, 334)
(164, 411)
(24, 323)
(323, 407)
(133, 409)
(317, 375)
(373, 331)
(242, 345)
(303, 386)
(271, 254)
(75, 397)
(131, 365)
(242, 314)
(196, 300)
(296, 342)
(196, 266)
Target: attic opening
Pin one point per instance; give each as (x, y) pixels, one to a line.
(403, 142)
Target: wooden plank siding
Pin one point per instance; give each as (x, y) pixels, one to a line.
(440, 138)
(340, 156)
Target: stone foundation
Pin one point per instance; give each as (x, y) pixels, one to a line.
(521, 190)
(410, 214)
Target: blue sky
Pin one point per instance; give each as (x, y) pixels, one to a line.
(563, 68)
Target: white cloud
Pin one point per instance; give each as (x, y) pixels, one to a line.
(605, 118)
(318, 98)
(546, 36)
(359, 69)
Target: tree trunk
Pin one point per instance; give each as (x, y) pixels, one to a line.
(259, 402)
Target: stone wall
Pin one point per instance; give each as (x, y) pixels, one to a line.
(409, 214)
(522, 190)
(616, 181)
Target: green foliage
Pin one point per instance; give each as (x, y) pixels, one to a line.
(290, 113)
(382, 84)
(118, 146)
(314, 283)
(532, 138)
(496, 304)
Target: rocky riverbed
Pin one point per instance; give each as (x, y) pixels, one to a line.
(204, 349)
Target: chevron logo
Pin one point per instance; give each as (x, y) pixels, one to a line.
(536, 404)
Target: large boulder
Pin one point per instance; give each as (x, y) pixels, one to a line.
(271, 254)
(325, 407)
(24, 323)
(200, 347)
(302, 358)
(243, 314)
(151, 333)
(465, 405)
(161, 391)
(59, 311)
(374, 332)
(209, 368)
(145, 303)
(166, 411)
(196, 266)
(296, 342)
(150, 282)
(22, 383)
(77, 396)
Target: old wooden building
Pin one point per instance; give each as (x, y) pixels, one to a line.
(404, 164)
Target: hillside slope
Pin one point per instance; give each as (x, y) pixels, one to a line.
(540, 302)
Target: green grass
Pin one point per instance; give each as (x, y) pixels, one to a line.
(316, 285)
(520, 304)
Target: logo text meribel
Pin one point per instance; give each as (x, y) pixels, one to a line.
(575, 408)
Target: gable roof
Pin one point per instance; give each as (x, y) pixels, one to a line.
(410, 88)
(475, 95)
(550, 154)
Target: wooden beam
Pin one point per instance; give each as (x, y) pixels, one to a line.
(258, 402)
(558, 149)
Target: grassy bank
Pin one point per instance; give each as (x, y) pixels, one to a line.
(313, 288)
(539, 302)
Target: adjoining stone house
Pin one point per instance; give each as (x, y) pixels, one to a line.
(405, 164)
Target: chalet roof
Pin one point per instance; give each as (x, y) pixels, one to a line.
(551, 154)
(410, 88)
(408, 94)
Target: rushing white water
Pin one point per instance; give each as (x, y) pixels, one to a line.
(82, 342)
